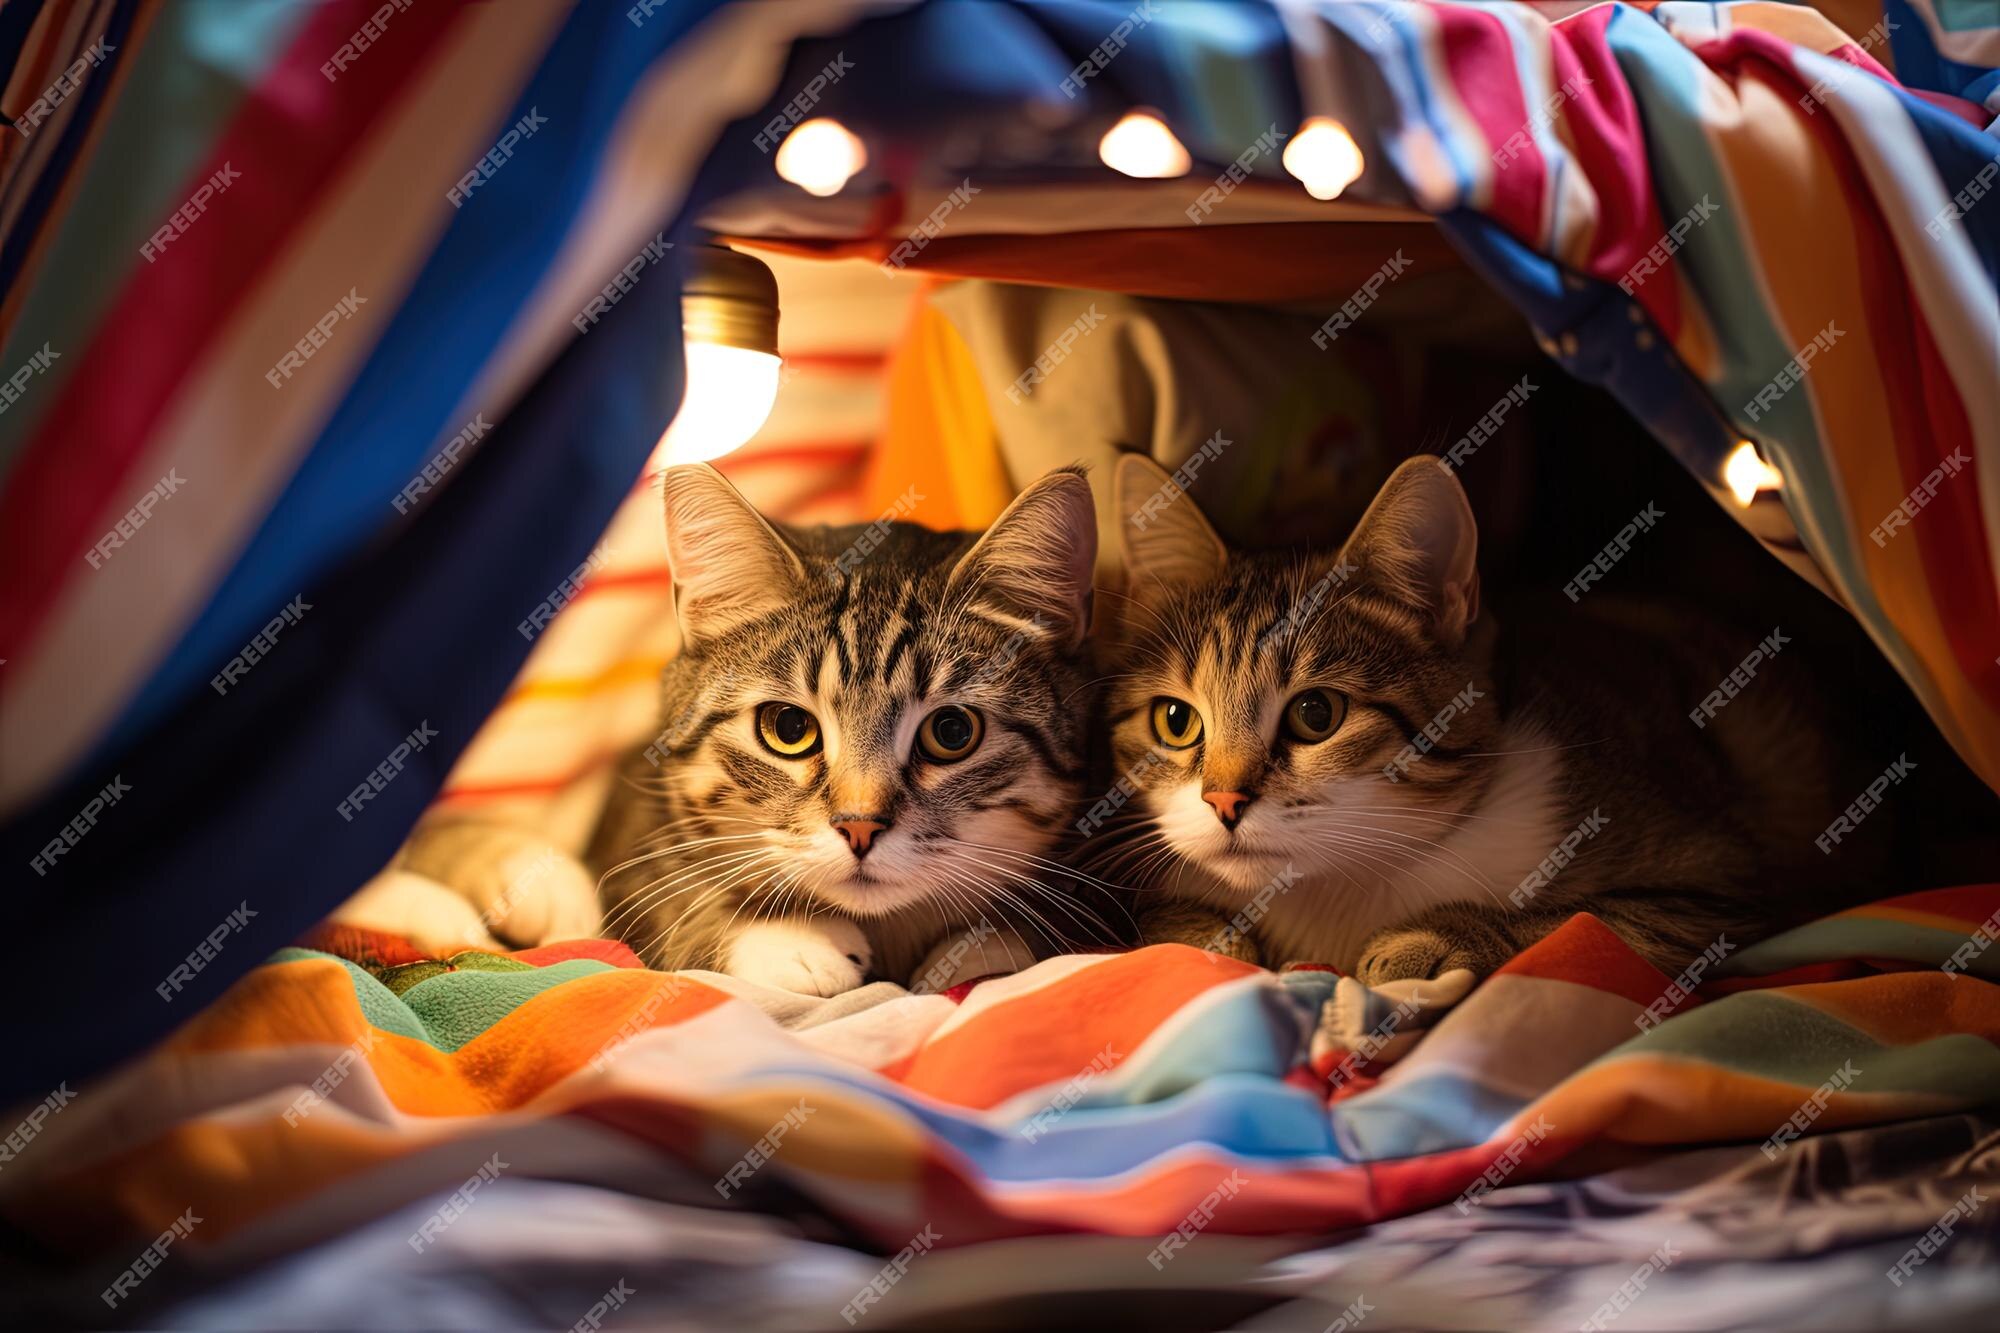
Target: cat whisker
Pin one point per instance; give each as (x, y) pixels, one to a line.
(1363, 821)
(1165, 857)
(1365, 852)
(1368, 849)
(1055, 867)
(1035, 919)
(1076, 911)
(1408, 812)
(1532, 749)
(961, 902)
(651, 893)
(654, 893)
(672, 930)
(1432, 851)
(669, 851)
(1068, 698)
(745, 900)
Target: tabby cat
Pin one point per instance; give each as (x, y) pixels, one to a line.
(1344, 754)
(869, 743)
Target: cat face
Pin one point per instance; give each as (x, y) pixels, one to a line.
(878, 716)
(1275, 708)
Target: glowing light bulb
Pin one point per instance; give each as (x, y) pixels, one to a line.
(730, 392)
(820, 156)
(1748, 474)
(1141, 145)
(1324, 157)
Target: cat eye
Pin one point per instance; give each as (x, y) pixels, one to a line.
(950, 733)
(787, 730)
(1176, 723)
(1314, 715)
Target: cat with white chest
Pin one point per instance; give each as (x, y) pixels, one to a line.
(872, 738)
(1353, 733)
(870, 742)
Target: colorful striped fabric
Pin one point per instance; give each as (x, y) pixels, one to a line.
(171, 488)
(1815, 215)
(192, 199)
(1111, 1094)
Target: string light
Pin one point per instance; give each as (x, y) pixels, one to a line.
(1141, 145)
(1747, 474)
(1324, 157)
(820, 156)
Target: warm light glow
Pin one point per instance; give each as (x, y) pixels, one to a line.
(1748, 474)
(729, 396)
(820, 156)
(1324, 156)
(1142, 145)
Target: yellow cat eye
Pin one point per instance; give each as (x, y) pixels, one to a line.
(1314, 715)
(1176, 723)
(950, 733)
(787, 730)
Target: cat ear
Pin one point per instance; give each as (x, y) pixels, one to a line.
(1036, 562)
(1167, 542)
(729, 565)
(1418, 543)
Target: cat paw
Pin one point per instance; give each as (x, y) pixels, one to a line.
(1230, 942)
(538, 895)
(432, 917)
(967, 955)
(822, 957)
(520, 886)
(1438, 940)
(1197, 927)
(1418, 953)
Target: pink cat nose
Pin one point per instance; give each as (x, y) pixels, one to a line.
(859, 830)
(1228, 805)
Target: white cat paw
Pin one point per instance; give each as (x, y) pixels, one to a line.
(431, 916)
(821, 957)
(538, 895)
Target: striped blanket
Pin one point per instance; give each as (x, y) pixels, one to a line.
(190, 194)
(1160, 1094)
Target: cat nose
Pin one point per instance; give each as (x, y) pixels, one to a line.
(859, 830)
(1228, 805)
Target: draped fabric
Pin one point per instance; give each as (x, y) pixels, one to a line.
(243, 311)
(1114, 1095)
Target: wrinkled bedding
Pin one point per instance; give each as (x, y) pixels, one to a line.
(1161, 1120)
(1799, 1244)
